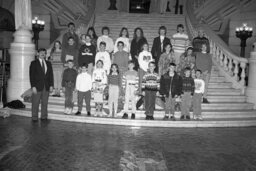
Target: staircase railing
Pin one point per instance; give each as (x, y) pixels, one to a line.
(231, 66)
(81, 27)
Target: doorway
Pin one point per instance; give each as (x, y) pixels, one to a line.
(139, 6)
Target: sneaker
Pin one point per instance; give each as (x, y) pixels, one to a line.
(182, 117)
(205, 100)
(66, 111)
(88, 113)
(55, 95)
(172, 117)
(78, 113)
(147, 117)
(125, 116)
(200, 118)
(188, 117)
(166, 117)
(70, 111)
(133, 116)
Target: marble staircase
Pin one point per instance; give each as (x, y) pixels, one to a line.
(227, 108)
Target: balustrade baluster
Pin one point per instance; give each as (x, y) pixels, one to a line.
(225, 62)
(217, 53)
(242, 81)
(230, 67)
(211, 47)
(221, 59)
(236, 70)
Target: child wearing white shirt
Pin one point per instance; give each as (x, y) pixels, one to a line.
(145, 57)
(104, 56)
(105, 38)
(99, 79)
(84, 86)
(197, 98)
(123, 37)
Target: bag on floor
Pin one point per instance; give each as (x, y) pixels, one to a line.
(15, 104)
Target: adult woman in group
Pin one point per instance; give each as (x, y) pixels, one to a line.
(136, 45)
(57, 65)
(123, 37)
(94, 37)
(187, 60)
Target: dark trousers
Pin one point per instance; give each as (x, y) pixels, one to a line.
(150, 99)
(186, 103)
(69, 97)
(41, 96)
(87, 97)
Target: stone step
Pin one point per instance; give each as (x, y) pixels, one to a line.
(227, 98)
(145, 17)
(223, 93)
(137, 123)
(217, 79)
(211, 106)
(211, 98)
(227, 90)
(160, 114)
(221, 85)
(133, 22)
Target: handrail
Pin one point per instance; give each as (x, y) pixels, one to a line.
(82, 27)
(231, 66)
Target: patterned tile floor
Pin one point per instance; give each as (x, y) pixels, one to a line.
(62, 146)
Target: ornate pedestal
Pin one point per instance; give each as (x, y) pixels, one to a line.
(22, 52)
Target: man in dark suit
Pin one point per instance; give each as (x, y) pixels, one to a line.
(41, 80)
(159, 44)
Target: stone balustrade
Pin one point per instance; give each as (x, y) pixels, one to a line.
(231, 66)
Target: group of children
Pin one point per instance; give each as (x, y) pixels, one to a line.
(171, 86)
(111, 69)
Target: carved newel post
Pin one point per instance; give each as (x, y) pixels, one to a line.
(22, 51)
(251, 89)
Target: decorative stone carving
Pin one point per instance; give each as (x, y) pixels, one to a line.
(23, 14)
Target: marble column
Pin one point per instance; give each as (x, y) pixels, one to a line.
(251, 89)
(22, 52)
